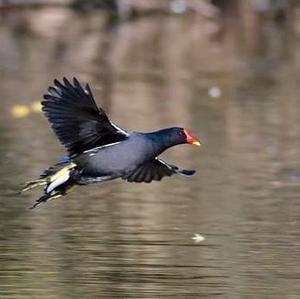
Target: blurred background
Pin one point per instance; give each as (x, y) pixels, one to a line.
(227, 70)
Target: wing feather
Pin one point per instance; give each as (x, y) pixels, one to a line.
(75, 118)
(154, 170)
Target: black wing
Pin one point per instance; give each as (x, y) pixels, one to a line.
(155, 170)
(75, 118)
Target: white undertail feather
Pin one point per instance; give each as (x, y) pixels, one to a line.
(58, 181)
(52, 181)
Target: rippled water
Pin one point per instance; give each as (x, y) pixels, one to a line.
(121, 240)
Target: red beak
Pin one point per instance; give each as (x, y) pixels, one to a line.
(190, 138)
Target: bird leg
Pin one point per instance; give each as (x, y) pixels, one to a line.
(45, 198)
(57, 194)
(32, 184)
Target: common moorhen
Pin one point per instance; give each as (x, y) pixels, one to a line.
(98, 149)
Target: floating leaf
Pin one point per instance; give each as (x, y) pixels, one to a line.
(198, 238)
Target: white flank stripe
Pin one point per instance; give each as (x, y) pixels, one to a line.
(119, 129)
(95, 149)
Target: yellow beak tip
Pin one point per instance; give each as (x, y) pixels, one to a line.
(196, 143)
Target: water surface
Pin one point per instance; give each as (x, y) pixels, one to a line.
(121, 240)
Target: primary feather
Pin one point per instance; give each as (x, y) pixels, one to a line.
(75, 118)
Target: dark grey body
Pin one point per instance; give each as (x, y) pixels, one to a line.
(115, 160)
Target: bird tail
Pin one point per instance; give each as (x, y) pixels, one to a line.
(58, 181)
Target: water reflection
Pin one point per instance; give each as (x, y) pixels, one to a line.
(135, 241)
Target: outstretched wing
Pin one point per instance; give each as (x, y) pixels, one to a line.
(75, 118)
(154, 170)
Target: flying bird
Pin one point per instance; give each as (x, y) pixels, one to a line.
(98, 150)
